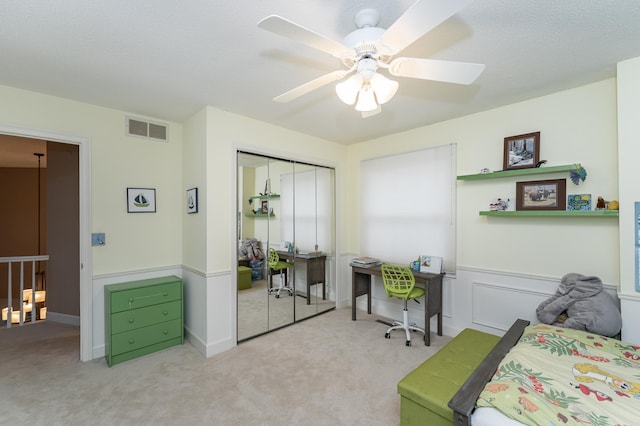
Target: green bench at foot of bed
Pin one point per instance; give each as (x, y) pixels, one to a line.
(426, 391)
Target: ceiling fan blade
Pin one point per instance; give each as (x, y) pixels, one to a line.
(312, 85)
(282, 26)
(433, 69)
(420, 18)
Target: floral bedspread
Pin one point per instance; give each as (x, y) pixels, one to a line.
(557, 376)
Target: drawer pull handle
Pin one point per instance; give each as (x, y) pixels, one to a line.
(130, 320)
(165, 313)
(166, 332)
(133, 299)
(131, 341)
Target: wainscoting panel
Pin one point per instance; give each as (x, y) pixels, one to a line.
(496, 306)
(491, 301)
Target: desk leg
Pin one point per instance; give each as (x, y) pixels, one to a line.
(432, 306)
(360, 286)
(316, 274)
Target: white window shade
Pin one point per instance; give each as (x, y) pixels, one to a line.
(408, 206)
(307, 201)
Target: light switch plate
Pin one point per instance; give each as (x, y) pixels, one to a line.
(97, 239)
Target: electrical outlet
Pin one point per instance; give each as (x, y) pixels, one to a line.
(97, 239)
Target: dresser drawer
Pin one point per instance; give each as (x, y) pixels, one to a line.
(141, 337)
(143, 317)
(145, 296)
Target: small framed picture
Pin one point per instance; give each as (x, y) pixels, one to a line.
(265, 207)
(541, 195)
(522, 151)
(431, 264)
(192, 200)
(502, 204)
(579, 202)
(141, 200)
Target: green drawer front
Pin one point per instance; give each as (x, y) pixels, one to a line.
(145, 296)
(139, 338)
(143, 317)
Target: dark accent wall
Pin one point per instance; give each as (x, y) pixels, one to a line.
(63, 232)
(19, 221)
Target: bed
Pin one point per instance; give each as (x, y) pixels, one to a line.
(543, 374)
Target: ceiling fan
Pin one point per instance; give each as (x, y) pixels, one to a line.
(369, 48)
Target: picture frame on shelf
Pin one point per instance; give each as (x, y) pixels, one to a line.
(141, 200)
(579, 202)
(502, 204)
(192, 200)
(521, 151)
(264, 208)
(547, 194)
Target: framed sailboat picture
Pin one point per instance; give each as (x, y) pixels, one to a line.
(192, 200)
(141, 200)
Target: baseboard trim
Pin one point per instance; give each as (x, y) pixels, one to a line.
(63, 318)
(195, 341)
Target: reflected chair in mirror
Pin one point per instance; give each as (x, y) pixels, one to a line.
(277, 265)
(399, 282)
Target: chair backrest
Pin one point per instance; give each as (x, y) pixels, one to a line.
(398, 280)
(273, 257)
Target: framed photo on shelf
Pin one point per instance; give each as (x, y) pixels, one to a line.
(141, 200)
(192, 200)
(431, 264)
(579, 202)
(522, 151)
(265, 207)
(541, 195)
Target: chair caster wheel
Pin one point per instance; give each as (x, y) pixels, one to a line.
(408, 343)
(387, 335)
(277, 296)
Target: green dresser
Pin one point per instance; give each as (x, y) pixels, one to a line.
(142, 317)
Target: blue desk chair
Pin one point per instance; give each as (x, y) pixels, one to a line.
(275, 264)
(399, 282)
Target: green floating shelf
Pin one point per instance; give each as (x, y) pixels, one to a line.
(259, 215)
(552, 213)
(520, 172)
(265, 197)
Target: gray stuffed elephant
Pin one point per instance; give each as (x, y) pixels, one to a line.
(587, 306)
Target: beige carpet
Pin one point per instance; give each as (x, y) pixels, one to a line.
(259, 311)
(327, 370)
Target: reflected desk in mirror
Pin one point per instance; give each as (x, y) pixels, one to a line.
(315, 263)
(361, 285)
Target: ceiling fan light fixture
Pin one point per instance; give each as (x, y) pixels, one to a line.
(348, 90)
(366, 99)
(383, 87)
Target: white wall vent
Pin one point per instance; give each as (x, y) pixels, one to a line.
(146, 129)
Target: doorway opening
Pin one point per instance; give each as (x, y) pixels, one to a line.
(77, 249)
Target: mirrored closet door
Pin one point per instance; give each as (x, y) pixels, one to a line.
(286, 228)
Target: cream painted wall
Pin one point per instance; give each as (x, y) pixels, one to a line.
(194, 175)
(577, 125)
(229, 132)
(133, 241)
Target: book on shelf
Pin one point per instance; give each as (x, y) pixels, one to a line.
(365, 261)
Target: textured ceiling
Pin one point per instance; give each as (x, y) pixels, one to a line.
(168, 59)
